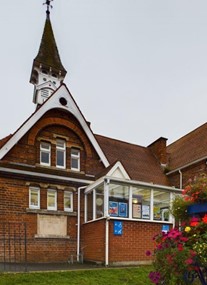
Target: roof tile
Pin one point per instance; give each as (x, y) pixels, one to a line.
(188, 148)
(138, 161)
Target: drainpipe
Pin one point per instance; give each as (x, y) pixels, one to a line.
(181, 179)
(107, 242)
(106, 214)
(78, 224)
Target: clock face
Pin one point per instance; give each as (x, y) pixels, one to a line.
(99, 201)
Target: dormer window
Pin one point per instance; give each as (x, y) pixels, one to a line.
(45, 153)
(61, 153)
(75, 159)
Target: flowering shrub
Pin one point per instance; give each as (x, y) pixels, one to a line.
(180, 251)
(179, 208)
(196, 190)
(196, 233)
(172, 258)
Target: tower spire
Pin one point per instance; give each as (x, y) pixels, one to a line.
(47, 70)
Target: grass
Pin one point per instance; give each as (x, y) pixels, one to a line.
(125, 276)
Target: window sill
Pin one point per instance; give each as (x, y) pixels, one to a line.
(130, 219)
(50, 212)
(51, 237)
(51, 167)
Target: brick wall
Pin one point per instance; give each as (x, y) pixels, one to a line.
(26, 151)
(14, 188)
(131, 246)
(187, 173)
(14, 204)
(93, 241)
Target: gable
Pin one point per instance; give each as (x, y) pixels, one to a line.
(118, 171)
(61, 99)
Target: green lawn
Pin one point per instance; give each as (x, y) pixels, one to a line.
(127, 276)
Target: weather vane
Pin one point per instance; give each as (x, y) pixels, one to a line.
(48, 6)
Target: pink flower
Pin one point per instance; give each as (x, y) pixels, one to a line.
(189, 261)
(174, 234)
(148, 253)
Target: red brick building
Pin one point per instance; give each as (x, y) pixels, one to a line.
(82, 195)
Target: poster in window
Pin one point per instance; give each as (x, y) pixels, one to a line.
(113, 208)
(157, 213)
(122, 209)
(137, 211)
(145, 211)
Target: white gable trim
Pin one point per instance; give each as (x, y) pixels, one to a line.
(109, 175)
(118, 167)
(51, 103)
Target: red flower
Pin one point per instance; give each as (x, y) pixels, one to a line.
(193, 253)
(180, 247)
(169, 258)
(184, 239)
(194, 224)
(204, 219)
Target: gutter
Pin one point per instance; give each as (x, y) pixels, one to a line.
(187, 165)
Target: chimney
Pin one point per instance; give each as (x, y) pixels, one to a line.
(159, 149)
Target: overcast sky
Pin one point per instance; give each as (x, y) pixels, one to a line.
(136, 68)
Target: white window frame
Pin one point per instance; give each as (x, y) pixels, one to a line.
(52, 191)
(68, 194)
(37, 190)
(47, 151)
(61, 149)
(75, 157)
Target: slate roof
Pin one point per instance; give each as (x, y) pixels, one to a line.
(48, 54)
(138, 161)
(189, 148)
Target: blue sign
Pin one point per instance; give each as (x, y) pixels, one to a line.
(165, 228)
(118, 228)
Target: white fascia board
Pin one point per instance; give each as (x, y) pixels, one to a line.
(141, 183)
(130, 183)
(94, 185)
(51, 103)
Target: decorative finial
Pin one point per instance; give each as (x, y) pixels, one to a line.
(48, 7)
